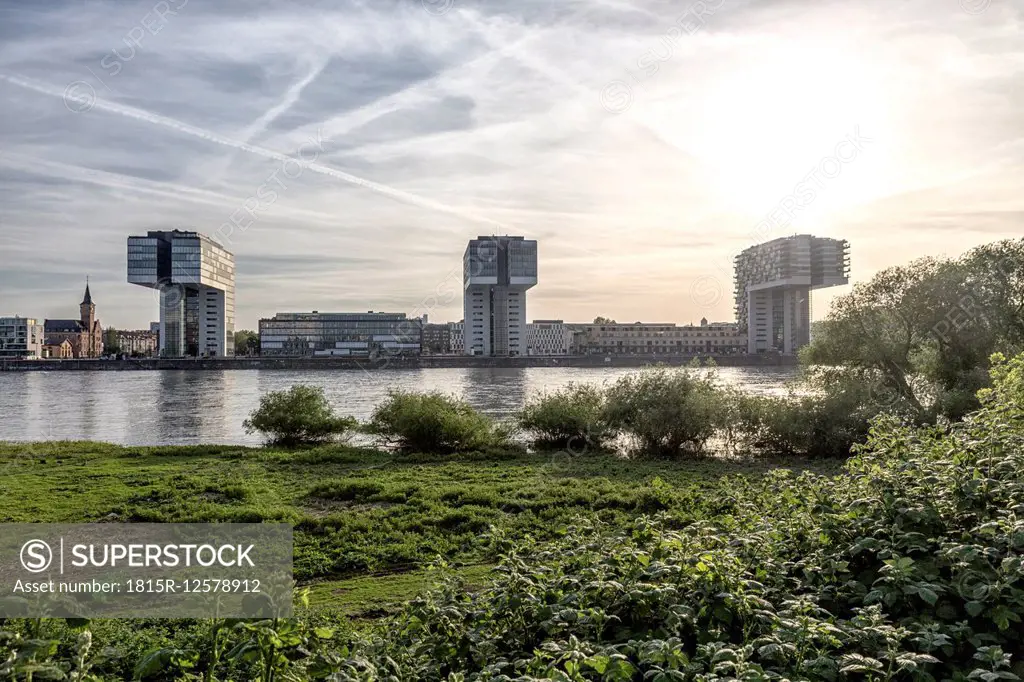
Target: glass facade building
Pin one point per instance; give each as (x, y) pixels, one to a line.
(367, 334)
(497, 271)
(195, 278)
(774, 281)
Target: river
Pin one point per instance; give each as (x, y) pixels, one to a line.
(187, 407)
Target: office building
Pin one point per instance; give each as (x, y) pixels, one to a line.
(21, 338)
(658, 338)
(497, 271)
(774, 281)
(195, 279)
(548, 337)
(366, 334)
(84, 334)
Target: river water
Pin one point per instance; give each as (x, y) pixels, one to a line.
(208, 406)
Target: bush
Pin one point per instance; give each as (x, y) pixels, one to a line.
(830, 414)
(667, 411)
(570, 418)
(433, 423)
(299, 416)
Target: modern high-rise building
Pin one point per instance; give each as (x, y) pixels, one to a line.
(497, 271)
(774, 281)
(195, 278)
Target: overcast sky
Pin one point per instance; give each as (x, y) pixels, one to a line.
(642, 145)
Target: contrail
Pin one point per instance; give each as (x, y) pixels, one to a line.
(125, 182)
(210, 136)
(291, 96)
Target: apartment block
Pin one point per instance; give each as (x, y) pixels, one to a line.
(773, 285)
(548, 337)
(21, 338)
(658, 338)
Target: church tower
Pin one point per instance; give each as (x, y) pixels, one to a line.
(88, 309)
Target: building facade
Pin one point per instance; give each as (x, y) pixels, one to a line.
(367, 334)
(195, 279)
(456, 337)
(773, 285)
(548, 337)
(61, 351)
(659, 338)
(84, 334)
(437, 339)
(21, 338)
(497, 271)
(140, 342)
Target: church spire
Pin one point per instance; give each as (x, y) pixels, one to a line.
(88, 296)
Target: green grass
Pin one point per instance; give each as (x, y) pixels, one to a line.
(367, 522)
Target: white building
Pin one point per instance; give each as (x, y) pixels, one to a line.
(196, 280)
(774, 281)
(548, 337)
(457, 337)
(21, 337)
(658, 338)
(144, 342)
(497, 271)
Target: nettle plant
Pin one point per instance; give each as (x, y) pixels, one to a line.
(908, 566)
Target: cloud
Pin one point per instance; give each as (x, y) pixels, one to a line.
(493, 117)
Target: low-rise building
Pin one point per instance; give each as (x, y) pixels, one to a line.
(437, 339)
(62, 351)
(21, 338)
(659, 338)
(366, 334)
(548, 337)
(138, 342)
(84, 334)
(457, 336)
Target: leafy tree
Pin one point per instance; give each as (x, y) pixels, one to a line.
(110, 343)
(247, 342)
(924, 332)
(299, 416)
(604, 320)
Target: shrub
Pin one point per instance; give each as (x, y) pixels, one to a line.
(299, 416)
(433, 423)
(570, 418)
(831, 413)
(666, 411)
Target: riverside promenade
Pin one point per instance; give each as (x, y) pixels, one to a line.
(383, 363)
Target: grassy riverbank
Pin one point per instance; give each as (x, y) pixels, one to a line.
(362, 512)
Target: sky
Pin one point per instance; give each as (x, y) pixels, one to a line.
(345, 152)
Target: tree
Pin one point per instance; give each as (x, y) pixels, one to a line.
(110, 342)
(922, 334)
(603, 320)
(247, 342)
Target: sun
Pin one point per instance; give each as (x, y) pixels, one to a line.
(761, 126)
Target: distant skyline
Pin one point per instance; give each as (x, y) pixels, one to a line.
(641, 146)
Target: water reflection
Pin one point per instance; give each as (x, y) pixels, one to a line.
(180, 407)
